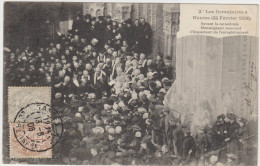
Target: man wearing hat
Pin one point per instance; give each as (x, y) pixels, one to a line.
(108, 33)
(76, 26)
(160, 66)
(147, 40)
(137, 32)
(156, 114)
(108, 20)
(129, 32)
(188, 147)
(93, 28)
(121, 30)
(231, 136)
(100, 30)
(87, 27)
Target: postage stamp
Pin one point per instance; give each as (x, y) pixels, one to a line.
(35, 127)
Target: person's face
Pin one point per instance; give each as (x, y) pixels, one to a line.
(128, 25)
(158, 58)
(54, 50)
(88, 66)
(94, 54)
(109, 51)
(98, 71)
(129, 58)
(114, 23)
(149, 62)
(52, 65)
(142, 56)
(124, 43)
(106, 46)
(118, 37)
(50, 51)
(117, 61)
(51, 69)
(89, 47)
(51, 44)
(83, 80)
(123, 49)
(136, 22)
(108, 61)
(142, 21)
(93, 152)
(58, 46)
(93, 22)
(136, 55)
(108, 19)
(61, 74)
(87, 20)
(77, 18)
(71, 48)
(32, 67)
(76, 37)
(39, 54)
(48, 79)
(114, 54)
(65, 67)
(76, 65)
(127, 64)
(74, 58)
(67, 52)
(119, 25)
(119, 141)
(58, 65)
(86, 49)
(67, 79)
(23, 54)
(135, 64)
(85, 73)
(83, 40)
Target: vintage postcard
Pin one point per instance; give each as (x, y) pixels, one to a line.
(109, 83)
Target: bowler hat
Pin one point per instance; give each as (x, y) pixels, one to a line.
(101, 18)
(231, 116)
(87, 16)
(93, 19)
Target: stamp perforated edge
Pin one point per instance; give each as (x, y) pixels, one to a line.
(9, 130)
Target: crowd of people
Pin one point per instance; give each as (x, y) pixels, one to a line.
(110, 94)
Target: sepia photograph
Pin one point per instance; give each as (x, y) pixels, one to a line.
(109, 83)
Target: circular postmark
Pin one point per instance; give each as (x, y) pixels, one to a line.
(38, 127)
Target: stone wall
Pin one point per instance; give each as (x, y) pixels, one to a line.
(214, 76)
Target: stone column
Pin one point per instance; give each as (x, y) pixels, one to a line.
(170, 28)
